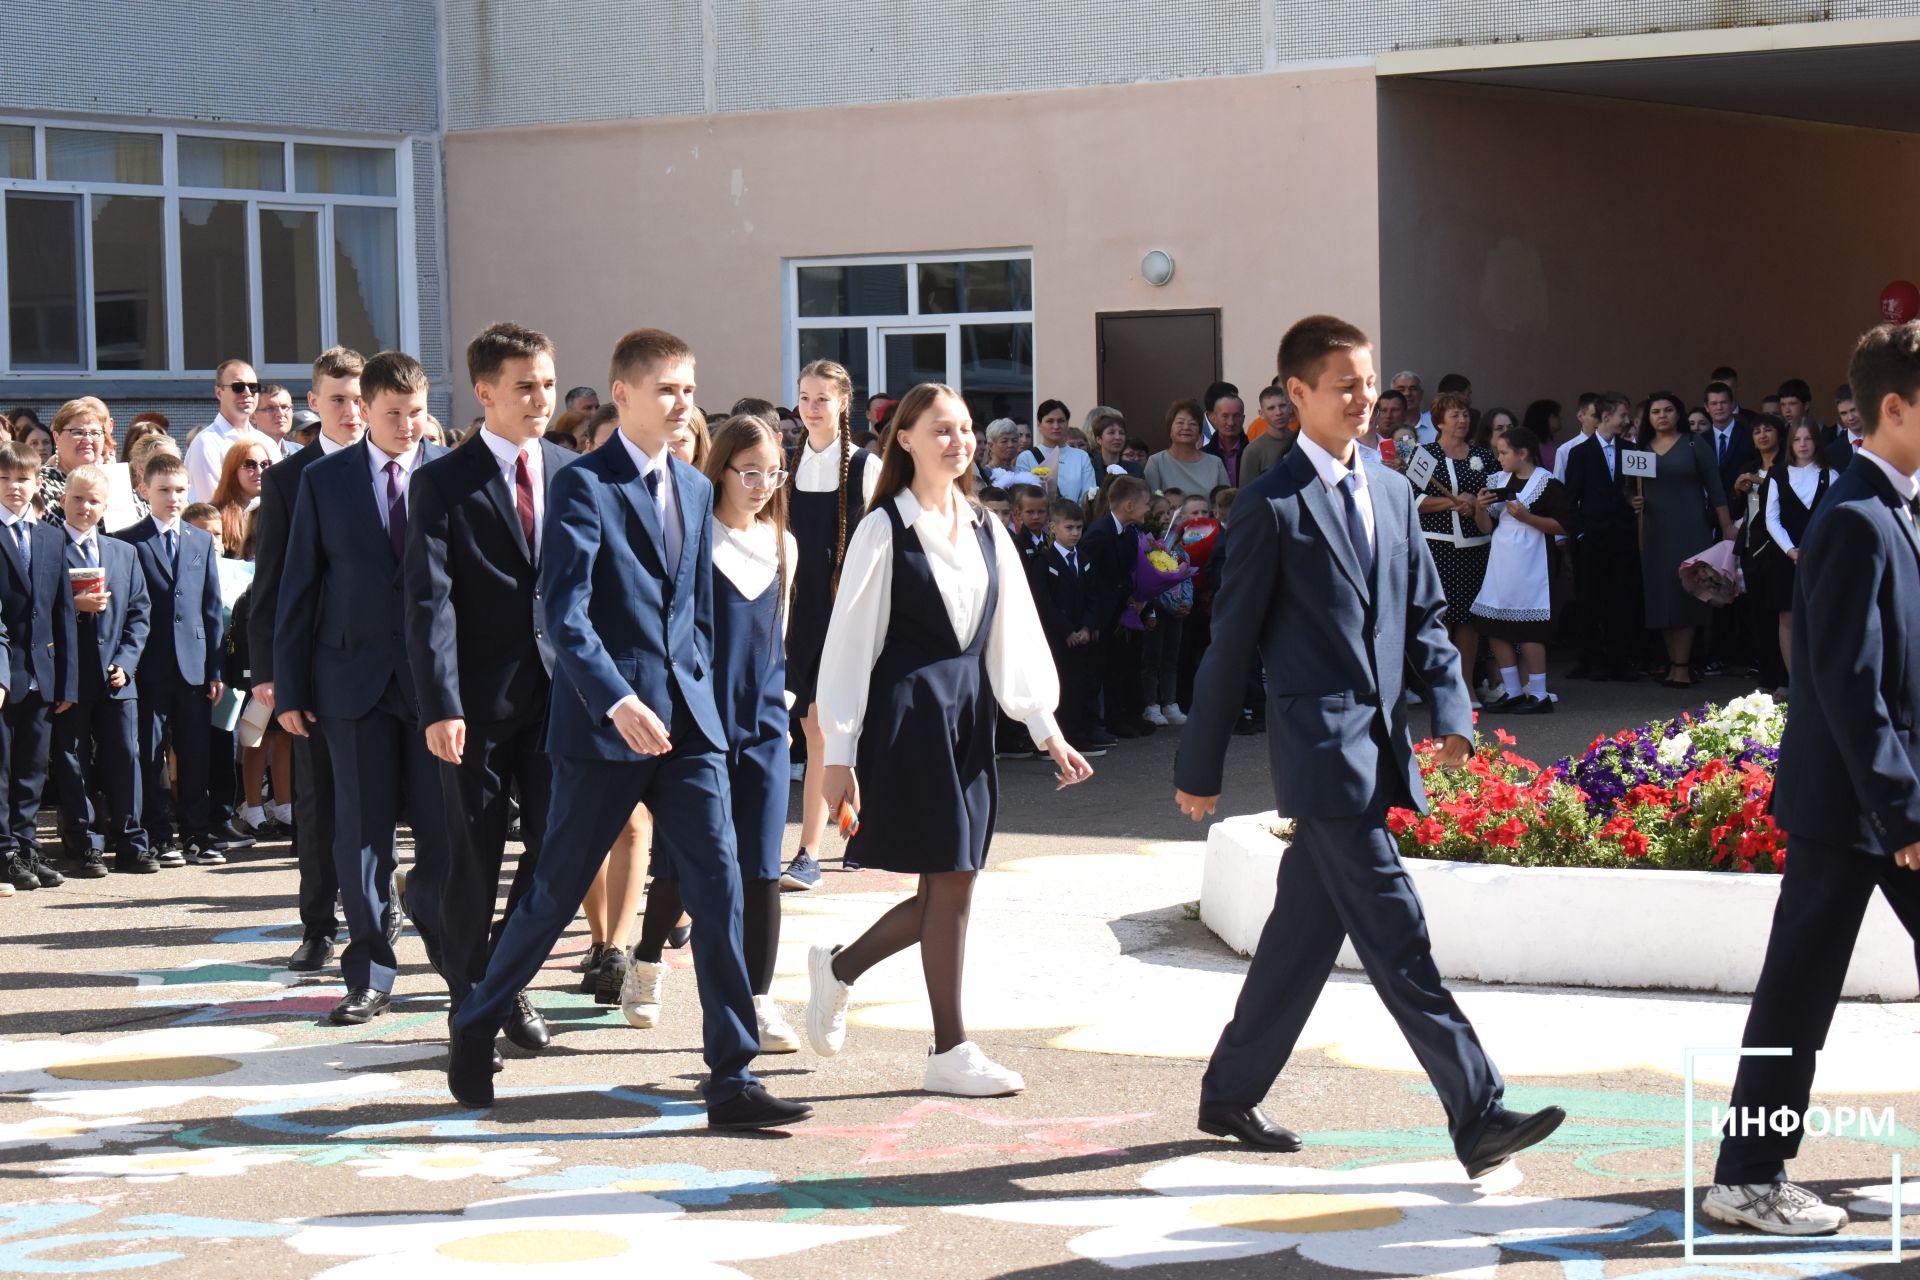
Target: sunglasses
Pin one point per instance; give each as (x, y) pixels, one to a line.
(254, 464)
(243, 388)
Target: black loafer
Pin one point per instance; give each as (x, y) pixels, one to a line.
(499, 1063)
(681, 934)
(361, 1005)
(1507, 1134)
(470, 1068)
(1249, 1126)
(754, 1108)
(392, 922)
(525, 1028)
(312, 953)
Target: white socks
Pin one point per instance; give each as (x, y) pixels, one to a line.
(1510, 680)
(1537, 685)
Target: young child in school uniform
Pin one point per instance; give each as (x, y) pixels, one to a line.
(1064, 598)
(96, 742)
(36, 605)
(753, 556)
(1112, 548)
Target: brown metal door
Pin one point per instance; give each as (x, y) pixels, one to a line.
(1149, 359)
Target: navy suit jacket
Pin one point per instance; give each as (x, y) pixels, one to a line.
(183, 633)
(1336, 645)
(337, 636)
(1062, 596)
(272, 522)
(1849, 773)
(467, 554)
(1839, 449)
(38, 613)
(1108, 557)
(623, 621)
(1741, 457)
(1599, 499)
(116, 636)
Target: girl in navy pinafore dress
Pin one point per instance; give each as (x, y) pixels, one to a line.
(827, 496)
(933, 624)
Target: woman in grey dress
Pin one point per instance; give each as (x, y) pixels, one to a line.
(1675, 525)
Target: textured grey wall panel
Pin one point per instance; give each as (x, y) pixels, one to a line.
(515, 62)
(321, 64)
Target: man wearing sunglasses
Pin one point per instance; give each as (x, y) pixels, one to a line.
(237, 387)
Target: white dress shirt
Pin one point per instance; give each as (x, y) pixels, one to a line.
(377, 459)
(1333, 473)
(1020, 667)
(1908, 487)
(207, 452)
(1806, 482)
(818, 471)
(1560, 453)
(506, 454)
(750, 559)
(328, 446)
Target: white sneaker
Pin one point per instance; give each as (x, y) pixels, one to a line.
(1153, 716)
(827, 1006)
(776, 1036)
(1778, 1208)
(966, 1071)
(1173, 713)
(640, 993)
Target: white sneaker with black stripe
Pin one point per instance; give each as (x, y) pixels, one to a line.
(1777, 1208)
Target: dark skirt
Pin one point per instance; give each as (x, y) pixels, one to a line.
(1462, 570)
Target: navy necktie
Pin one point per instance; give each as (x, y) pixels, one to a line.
(87, 553)
(652, 481)
(1356, 526)
(170, 540)
(24, 543)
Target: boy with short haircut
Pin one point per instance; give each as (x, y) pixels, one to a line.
(205, 517)
(179, 678)
(1029, 507)
(96, 742)
(1111, 550)
(995, 500)
(1066, 612)
(36, 606)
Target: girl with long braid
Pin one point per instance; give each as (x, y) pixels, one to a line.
(823, 509)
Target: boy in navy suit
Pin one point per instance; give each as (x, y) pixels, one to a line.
(1328, 580)
(36, 604)
(1111, 550)
(626, 577)
(179, 678)
(1847, 791)
(1062, 594)
(340, 659)
(103, 725)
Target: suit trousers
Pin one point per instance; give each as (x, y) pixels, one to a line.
(1340, 878)
(1823, 898)
(113, 727)
(26, 741)
(687, 791)
(171, 710)
(1607, 569)
(1123, 657)
(381, 767)
(313, 834)
(500, 760)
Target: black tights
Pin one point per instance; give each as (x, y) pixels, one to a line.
(936, 918)
(760, 926)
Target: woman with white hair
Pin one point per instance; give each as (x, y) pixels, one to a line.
(1003, 443)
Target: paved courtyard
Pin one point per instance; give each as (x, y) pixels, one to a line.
(171, 1105)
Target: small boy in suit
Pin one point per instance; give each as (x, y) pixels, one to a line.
(1112, 550)
(180, 676)
(1067, 613)
(96, 742)
(36, 605)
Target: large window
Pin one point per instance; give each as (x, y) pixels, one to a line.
(965, 319)
(143, 251)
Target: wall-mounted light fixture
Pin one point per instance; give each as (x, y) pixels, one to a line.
(1157, 267)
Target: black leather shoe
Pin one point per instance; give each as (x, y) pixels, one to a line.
(499, 1063)
(1529, 705)
(361, 1005)
(225, 836)
(1249, 1126)
(1507, 1134)
(136, 864)
(470, 1068)
(681, 934)
(754, 1108)
(312, 954)
(610, 976)
(525, 1028)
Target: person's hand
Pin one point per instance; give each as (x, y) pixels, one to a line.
(118, 679)
(1793, 554)
(641, 729)
(296, 722)
(447, 739)
(1069, 766)
(1484, 499)
(1908, 857)
(215, 688)
(1515, 507)
(92, 601)
(840, 788)
(1453, 751)
(61, 708)
(1196, 807)
(263, 694)
(1743, 483)
(1638, 503)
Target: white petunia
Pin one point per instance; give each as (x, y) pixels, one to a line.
(451, 1162)
(1673, 751)
(81, 1133)
(164, 1164)
(574, 1234)
(1406, 1219)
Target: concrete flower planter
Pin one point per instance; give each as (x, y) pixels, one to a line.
(1686, 930)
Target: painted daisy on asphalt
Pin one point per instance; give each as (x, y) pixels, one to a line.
(153, 1070)
(164, 1164)
(81, 1133)
(564, 1233)
(680, 1183)
(1404, 1219)
(1877, 1202)
(451, 1162)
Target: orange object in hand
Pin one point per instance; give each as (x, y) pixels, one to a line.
(849, 820)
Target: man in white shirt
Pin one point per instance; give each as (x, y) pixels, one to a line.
(1846, 438)
(1407, 383)
(237, 387)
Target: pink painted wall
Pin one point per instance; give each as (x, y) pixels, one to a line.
(1545, 244)
(586, 231)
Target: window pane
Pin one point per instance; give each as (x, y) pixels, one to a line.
(16, 151)
(948, 287)
(344, 171)
(43, 280)
(289, 285)
(996, 371)
(233, 162)
(213, 282)
(910, 359)
(366, 278)
(848, 347)
(88, 155)
(129, 283)
(853, 291)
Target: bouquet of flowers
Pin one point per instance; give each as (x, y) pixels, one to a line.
(1198, 538)
(1714, 575)
(1154, 571)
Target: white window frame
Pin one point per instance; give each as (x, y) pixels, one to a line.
(911, 320)
(170, 193)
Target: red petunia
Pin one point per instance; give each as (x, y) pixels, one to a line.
(1398, 820)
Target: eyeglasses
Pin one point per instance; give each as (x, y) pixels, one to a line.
(757, 479)
(95, 436)
(254, 464)
(243, 388)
